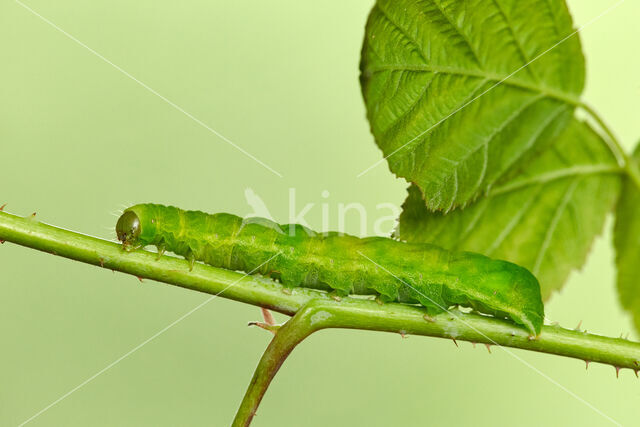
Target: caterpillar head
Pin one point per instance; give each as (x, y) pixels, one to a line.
(128, 230)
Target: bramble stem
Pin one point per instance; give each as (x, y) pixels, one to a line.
(366, 315)
(284, 341)
(625, 160)
(312, 310)
(99, 252)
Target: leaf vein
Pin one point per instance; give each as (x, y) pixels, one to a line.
(506, 79)
(511, 225)
(553, 225)
(459, 32)
(544, 178)
(411, 108)
(472, 97)
(402, 31)
(515, 114)
(516, 42)
(470, 227)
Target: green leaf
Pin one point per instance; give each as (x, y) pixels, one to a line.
(449, 99)
(626, 239)
(543, 215)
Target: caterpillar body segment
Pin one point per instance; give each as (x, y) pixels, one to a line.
(410, 273)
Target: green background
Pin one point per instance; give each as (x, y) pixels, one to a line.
(80, 140)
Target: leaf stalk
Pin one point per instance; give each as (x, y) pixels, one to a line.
(624, 159)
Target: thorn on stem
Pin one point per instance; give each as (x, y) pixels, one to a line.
(577, 328)
(2, 207)
(403, 334)
(455, 342)
(617, 371)
(1, 242)
(586, 365)
(271, 328)
(33, 215)
(267, 316)
(473, 344)
(429, 318)
(488, 347)
(140, 279)
(101, 262)
(636, 372)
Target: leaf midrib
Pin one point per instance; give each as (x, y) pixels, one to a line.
(503, 79)
(556, 174)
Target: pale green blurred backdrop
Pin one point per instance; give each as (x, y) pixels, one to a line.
(79, 140)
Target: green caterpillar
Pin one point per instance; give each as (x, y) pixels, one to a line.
(394, 271)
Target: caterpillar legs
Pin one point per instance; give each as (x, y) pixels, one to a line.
(161, 250)
(190, 257)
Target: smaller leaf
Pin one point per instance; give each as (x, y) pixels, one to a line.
(626, 239)
(543, 215)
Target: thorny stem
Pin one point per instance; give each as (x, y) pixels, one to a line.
(300, 326)
(351, 313)
(312, 310)
(625, 160)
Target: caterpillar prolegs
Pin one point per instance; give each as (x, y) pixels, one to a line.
(394, 271)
